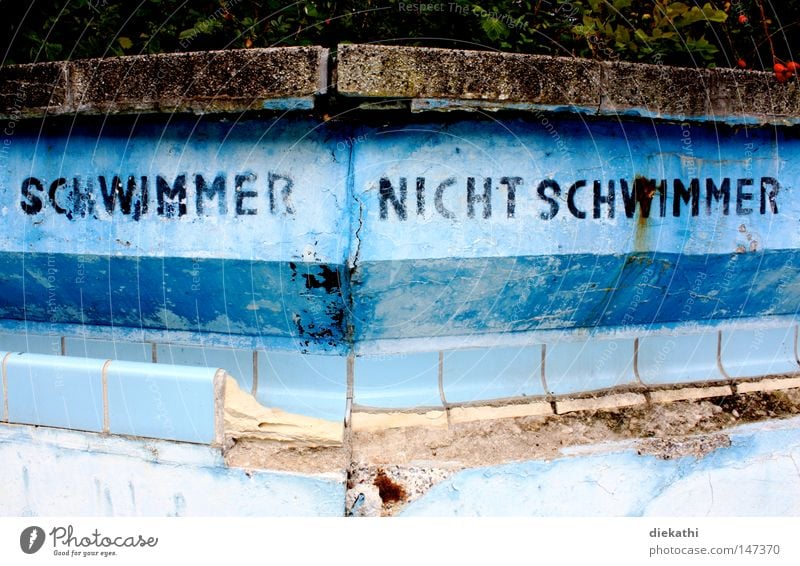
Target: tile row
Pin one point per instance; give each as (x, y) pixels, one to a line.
(316, 385)
(572, 367)
(127, 398)
(305, 384)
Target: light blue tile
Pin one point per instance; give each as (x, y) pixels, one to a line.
(315, 386)
(55, 391)
(3, 415)
(109, 349)
(161, 401)
(400, 382)
(758, 352)
(238, 363)
(492, 373)
(590, 365)
(665, 360)
(32, 343)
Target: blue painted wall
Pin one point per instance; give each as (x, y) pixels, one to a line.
(550, 256)
(254, 247)
(331, 236)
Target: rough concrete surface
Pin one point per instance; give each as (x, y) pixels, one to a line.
(756, 475)
(439, 79)
(269, 455)
(416, 457)
(29, 90)
(420, 72)
(212, 81)
(610, 87)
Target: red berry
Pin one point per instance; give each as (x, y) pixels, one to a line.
(742, 19)
(792, 66)
(742, 64)
(781, 72)
(328, 22)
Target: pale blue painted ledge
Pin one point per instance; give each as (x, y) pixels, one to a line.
(756, 476)
(67, 473)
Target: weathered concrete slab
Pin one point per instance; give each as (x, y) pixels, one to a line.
(215, 81)
(450, 74)
(432, 79)
(31, 90)
(444, 79)
(654, 91)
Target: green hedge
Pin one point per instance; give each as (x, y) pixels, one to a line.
(680, 33)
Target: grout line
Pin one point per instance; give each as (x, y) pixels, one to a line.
(442, 398)
(347, 433)
(643, 388)
(636, 361)
(324, 72)
(351, 373)
(5, 387)
(544, 381)
(69, 90)
(719, 356)
(350, 376)
(255, 373)
(106, 416)
(441, 379)
(548, 395)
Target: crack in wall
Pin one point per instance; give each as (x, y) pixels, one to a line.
(354, 251)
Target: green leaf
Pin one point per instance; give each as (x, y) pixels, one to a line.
(125, 42)
(675, 9)
(494, 29)
(714, 15)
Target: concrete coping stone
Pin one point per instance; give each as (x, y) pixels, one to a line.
(201, 82)
(418, 78)
(450, 79)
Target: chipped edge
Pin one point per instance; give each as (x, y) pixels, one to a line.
(219, 407)
(5, 386)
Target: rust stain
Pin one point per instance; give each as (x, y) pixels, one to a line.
(388, 490)
(644, 190)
